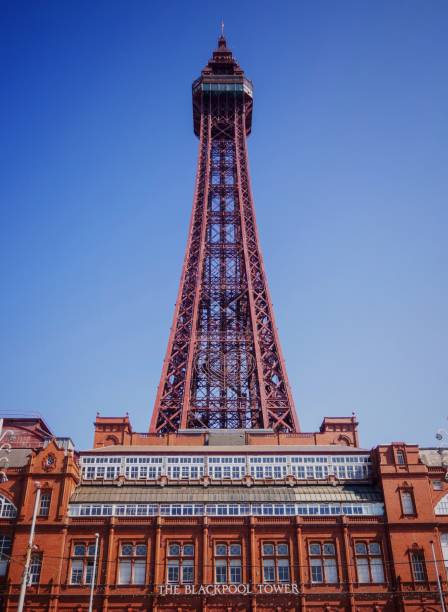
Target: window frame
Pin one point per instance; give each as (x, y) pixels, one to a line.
(180, 560)
(275, 558)
(369, 557)
(413, 554)
(400, 457)
(407, 491)
(437, 484)
(86, 559)
(322, 560)
(33, 576)
(134, 560)
(44, 503)
(229, 561)
(5, 553)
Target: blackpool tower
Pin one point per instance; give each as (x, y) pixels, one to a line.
(223, 367)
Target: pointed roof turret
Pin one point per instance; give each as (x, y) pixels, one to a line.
(222, 43)
(222, 60)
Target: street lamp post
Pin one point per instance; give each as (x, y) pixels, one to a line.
(92, 583)
(29, 550)
(439, 586)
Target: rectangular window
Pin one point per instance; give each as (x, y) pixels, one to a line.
(400, 457)
(180, 567)
(268, 570)
(323, 565)
(125, 572)
(81, 571)
(221, 571)
(316, 570)
(89, 571)
(139, 571)
(228, 563)
(362, 566)
(77, 572)
(369, 562)
(173, 571)
(283, 570)
(418, 566)
(377, 570)
(35, 568)
(235, 571)
(331, 570)
(407, 503)
(275, 561)
(187, 571)
(298, 471)
(44, 505)
(341, 471)
(5, 552)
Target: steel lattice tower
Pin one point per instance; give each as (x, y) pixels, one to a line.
(223, 367)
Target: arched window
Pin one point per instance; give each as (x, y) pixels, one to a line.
(7, 509)
(442, 506)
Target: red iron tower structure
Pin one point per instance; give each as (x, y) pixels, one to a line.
(224, 367)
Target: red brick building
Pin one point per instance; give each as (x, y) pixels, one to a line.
(222, 521)
(225, 505)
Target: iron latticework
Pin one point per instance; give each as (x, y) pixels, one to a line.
(223, 368)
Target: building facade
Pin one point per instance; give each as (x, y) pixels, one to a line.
(222, 521)
(225, 505)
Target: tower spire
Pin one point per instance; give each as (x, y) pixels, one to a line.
(222, 42)
(223, 368)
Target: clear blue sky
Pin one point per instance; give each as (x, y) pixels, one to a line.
(349, 161)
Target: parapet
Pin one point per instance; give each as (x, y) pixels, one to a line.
(110, 431)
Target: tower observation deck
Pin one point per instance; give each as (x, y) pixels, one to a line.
(224, 367)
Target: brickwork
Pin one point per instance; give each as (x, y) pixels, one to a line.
(402, 531)
(118, 430)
